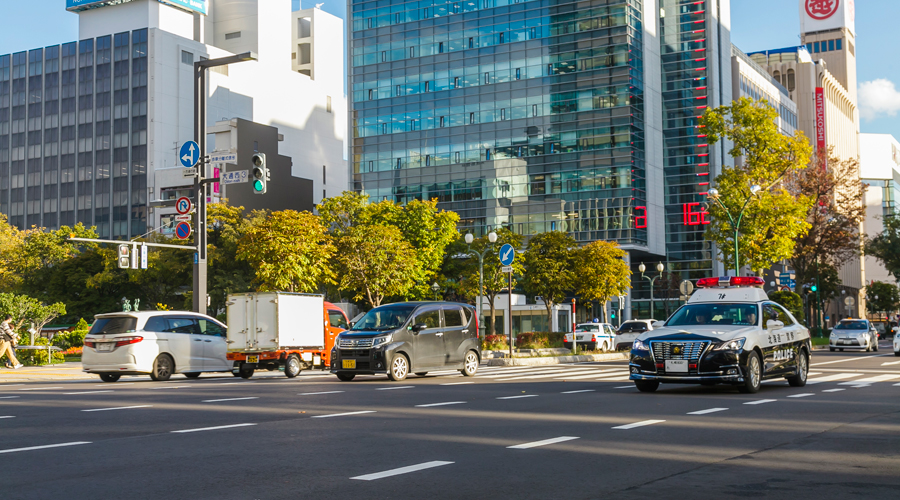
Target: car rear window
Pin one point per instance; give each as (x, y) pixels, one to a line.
(587, 328)
(637, 326)
(120, 324)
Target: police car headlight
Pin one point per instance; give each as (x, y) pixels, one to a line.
(639, 346)
(731, 345)
(377, 341)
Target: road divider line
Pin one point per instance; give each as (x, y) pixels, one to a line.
(9, 397)
(2, 386)
(44, 447)
(805, 394)
(39, 389)
(227, 399)
(704, 412)
(8, 416)
(318, 393)
(836, 390)
(624, 387)
(889, 363)
(857, 385)
(211, 428)
(117, 384)
(545, 442)
(832, 378)
(344, 414)
(458, 383)
(877, 378)
(576, 392)
(120, 408)
(85, 392)
(442, 404)
(171, 387)
(401, 470)
(392, 388)
(760, 401)
(639, 424)
(519, 397)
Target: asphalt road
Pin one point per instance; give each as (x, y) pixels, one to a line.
(575, 431)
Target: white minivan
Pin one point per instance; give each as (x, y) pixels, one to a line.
(158, 343)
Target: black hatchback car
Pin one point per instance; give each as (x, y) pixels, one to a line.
(405, 337)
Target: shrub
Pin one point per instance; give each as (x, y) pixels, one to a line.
(495, 342)
(36, 357)
(539, 340)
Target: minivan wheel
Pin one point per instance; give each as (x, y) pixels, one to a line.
(110, 377)
(345, 377)
(752, 375)
(799, 380)
(163, 366)
(399, 368)
(471, 364)
(292, 366)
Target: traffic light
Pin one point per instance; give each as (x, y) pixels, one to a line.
(813, 288)
(260, 173)
(124, 257)
(612, 315)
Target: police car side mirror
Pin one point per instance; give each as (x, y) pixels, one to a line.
(659, 324)
(774, 324)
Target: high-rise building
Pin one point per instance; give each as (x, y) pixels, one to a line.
(546, 115)
(89, 130)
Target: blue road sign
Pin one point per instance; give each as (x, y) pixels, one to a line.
(189, 154)
(507, 254)
(182, 230)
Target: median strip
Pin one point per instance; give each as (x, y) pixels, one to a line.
(401, 470)
(545, 442)
(211, 428)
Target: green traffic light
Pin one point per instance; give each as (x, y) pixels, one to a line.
(257, 185)
(813, 288)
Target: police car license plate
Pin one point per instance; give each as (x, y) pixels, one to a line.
(105, 346)
(676, 365)
(348, 364)
(253, 359)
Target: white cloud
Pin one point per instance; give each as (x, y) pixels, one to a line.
(877, 97)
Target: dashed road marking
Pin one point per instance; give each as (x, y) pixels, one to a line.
(392, 388)
(39, 388)
(344, 414)
(120, 408)
(318, 393)
(624, 387)
(519, 397)
(576, 392)
(704, 412)
(837, 390)
(8, 416)
(458, 383)
(805, 394)
(9, 397)
(227, 399)
(44, 447)
(760, 401)
(638, 424)
(545, 442)
(85, 392)
(442, 404)
(401, 470)
(211, 428)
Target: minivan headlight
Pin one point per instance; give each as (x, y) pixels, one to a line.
(377, 341)
(639, 346)
(731, 345)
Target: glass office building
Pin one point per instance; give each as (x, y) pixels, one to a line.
(73, 135)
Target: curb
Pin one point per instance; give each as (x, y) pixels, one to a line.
(556, 360)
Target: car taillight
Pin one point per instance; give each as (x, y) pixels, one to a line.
(89, 343)
(593, 338)
(128, 340)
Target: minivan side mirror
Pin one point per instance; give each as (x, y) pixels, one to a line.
(418, 327)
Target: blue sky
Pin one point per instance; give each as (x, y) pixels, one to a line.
(756, 25)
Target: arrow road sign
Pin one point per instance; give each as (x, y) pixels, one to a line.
(507, 254)
(183, 205)
(189, 154)
(182, 230)
(223, 158)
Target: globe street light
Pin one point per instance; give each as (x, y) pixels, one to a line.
(492, 238)
(713, 194)
(435, 288)
(659, 267)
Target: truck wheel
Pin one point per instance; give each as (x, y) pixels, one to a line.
(471, 364)
(292, 366)
(345, 377)
(647, 385)
(163, 366)
(752, 375)
(799, 380)
(110, 377)
(246, 370)
(399, 368)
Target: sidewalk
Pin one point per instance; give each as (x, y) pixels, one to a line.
(55, 372)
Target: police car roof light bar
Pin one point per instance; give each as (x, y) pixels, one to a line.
(708, 282)
(724, 281)
(747, 281)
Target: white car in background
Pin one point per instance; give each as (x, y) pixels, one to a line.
(592, 336)
(158, 343)
(896, 345)
(856, 334)
(629, 330)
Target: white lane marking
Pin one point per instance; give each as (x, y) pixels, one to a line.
(227, 399)
(459, 383)
(39, 388)
(518, 397)
(895, 385)
(10, 385)
(624, 387)
(850, 359)
(535, 444)
(576, 392)
(170, 387)
(9, 397)
(317, 393)
(8, 416)
(532, 371)
(343, 414)
(442, 404)
(805, 394)
(639, 424)
(117, 384)
(229, 383)
(211, 428)
(878, 378)
(401, 470)
(836, 390)
(120, 408)
(85, 392)
(593, 373)
(889, 363)
(74, 443)
(831, 378)
(760, 401)
(598, 375)
(704, 412)
(856, 385)
(392, 388)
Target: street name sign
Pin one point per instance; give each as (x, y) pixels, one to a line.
(235, 177)
(223, 158)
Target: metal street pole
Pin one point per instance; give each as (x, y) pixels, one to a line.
(735, 226)
(509, 294)
(492, 237)
(200, 72)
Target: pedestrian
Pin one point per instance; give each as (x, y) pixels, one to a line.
(9, 339)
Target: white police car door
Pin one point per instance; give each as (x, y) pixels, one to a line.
(778, 350)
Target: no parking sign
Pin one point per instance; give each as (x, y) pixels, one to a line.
(182, 230)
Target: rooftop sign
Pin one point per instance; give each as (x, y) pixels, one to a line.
(821, 15)
(189, 5)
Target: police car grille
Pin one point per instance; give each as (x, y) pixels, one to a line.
(356, 343)
(686, 350)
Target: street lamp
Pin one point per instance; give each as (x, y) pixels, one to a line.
(435, 288)
(713, 194)
(659, 267)
(492, 238)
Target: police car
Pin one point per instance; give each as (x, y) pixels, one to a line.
(729, 332)
(592, 336)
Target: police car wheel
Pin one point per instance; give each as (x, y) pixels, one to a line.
(752, 375)
(647, 385)
(799, 380)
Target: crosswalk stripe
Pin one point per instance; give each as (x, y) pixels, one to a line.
(536, 372)
(605, 375)
(550, 375)
(878, 378)
(832, 378)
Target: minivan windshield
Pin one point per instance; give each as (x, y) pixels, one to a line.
(852, 325)
(384, 318)
(117, 324)
(715, 315)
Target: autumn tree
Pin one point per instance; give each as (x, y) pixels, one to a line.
(549, 269)
(885, 246)
(375, 262)
(289, 251)
(602, 272)
(495, 280)
(773, 218)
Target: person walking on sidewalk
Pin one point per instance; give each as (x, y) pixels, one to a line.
(8, 338)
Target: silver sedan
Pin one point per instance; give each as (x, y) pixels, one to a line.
(857, 334)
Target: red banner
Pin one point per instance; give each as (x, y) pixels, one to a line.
(821, 143)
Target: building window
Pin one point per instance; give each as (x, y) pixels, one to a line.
(328, 103)
(501, 37)
(371, 94)
(399, 163)
(809, 47)
(427, 86)
(456, 157)
(187, 58)
(440, 47)
(304, 27)
(518, 73)
(232, 36)
(830, 45)
(471, 42)
(837, 44)
(304, 49)
(456, 82)
(397, 90)
(412, 52)
(815, 46)
(790, 80)
(371, 166)
(442, 122)
(502, 114)
(383, 56)
(471, 118)
(534, 110)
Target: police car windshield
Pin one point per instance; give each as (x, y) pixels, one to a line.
(587, 328)
(384, 318)
(715, 315)
(852, 325)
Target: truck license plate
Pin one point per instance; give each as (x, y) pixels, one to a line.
(253, 359)
(676, 365)
(348, 364)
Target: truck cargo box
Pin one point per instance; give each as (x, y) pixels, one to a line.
(268, 321)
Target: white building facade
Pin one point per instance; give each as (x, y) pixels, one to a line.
(880, 170)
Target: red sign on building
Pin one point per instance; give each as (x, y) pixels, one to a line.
(821, 9)
(694, 214)
(821, 142)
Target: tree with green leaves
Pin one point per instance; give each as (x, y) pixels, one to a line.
(289, 251)
(791, 301)
(602, 272)
(549, 268)
(771, 219)
(226, 226)
(888, 299)
(885, 246)
(375, 262)
(495, 280)
(26, 311)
